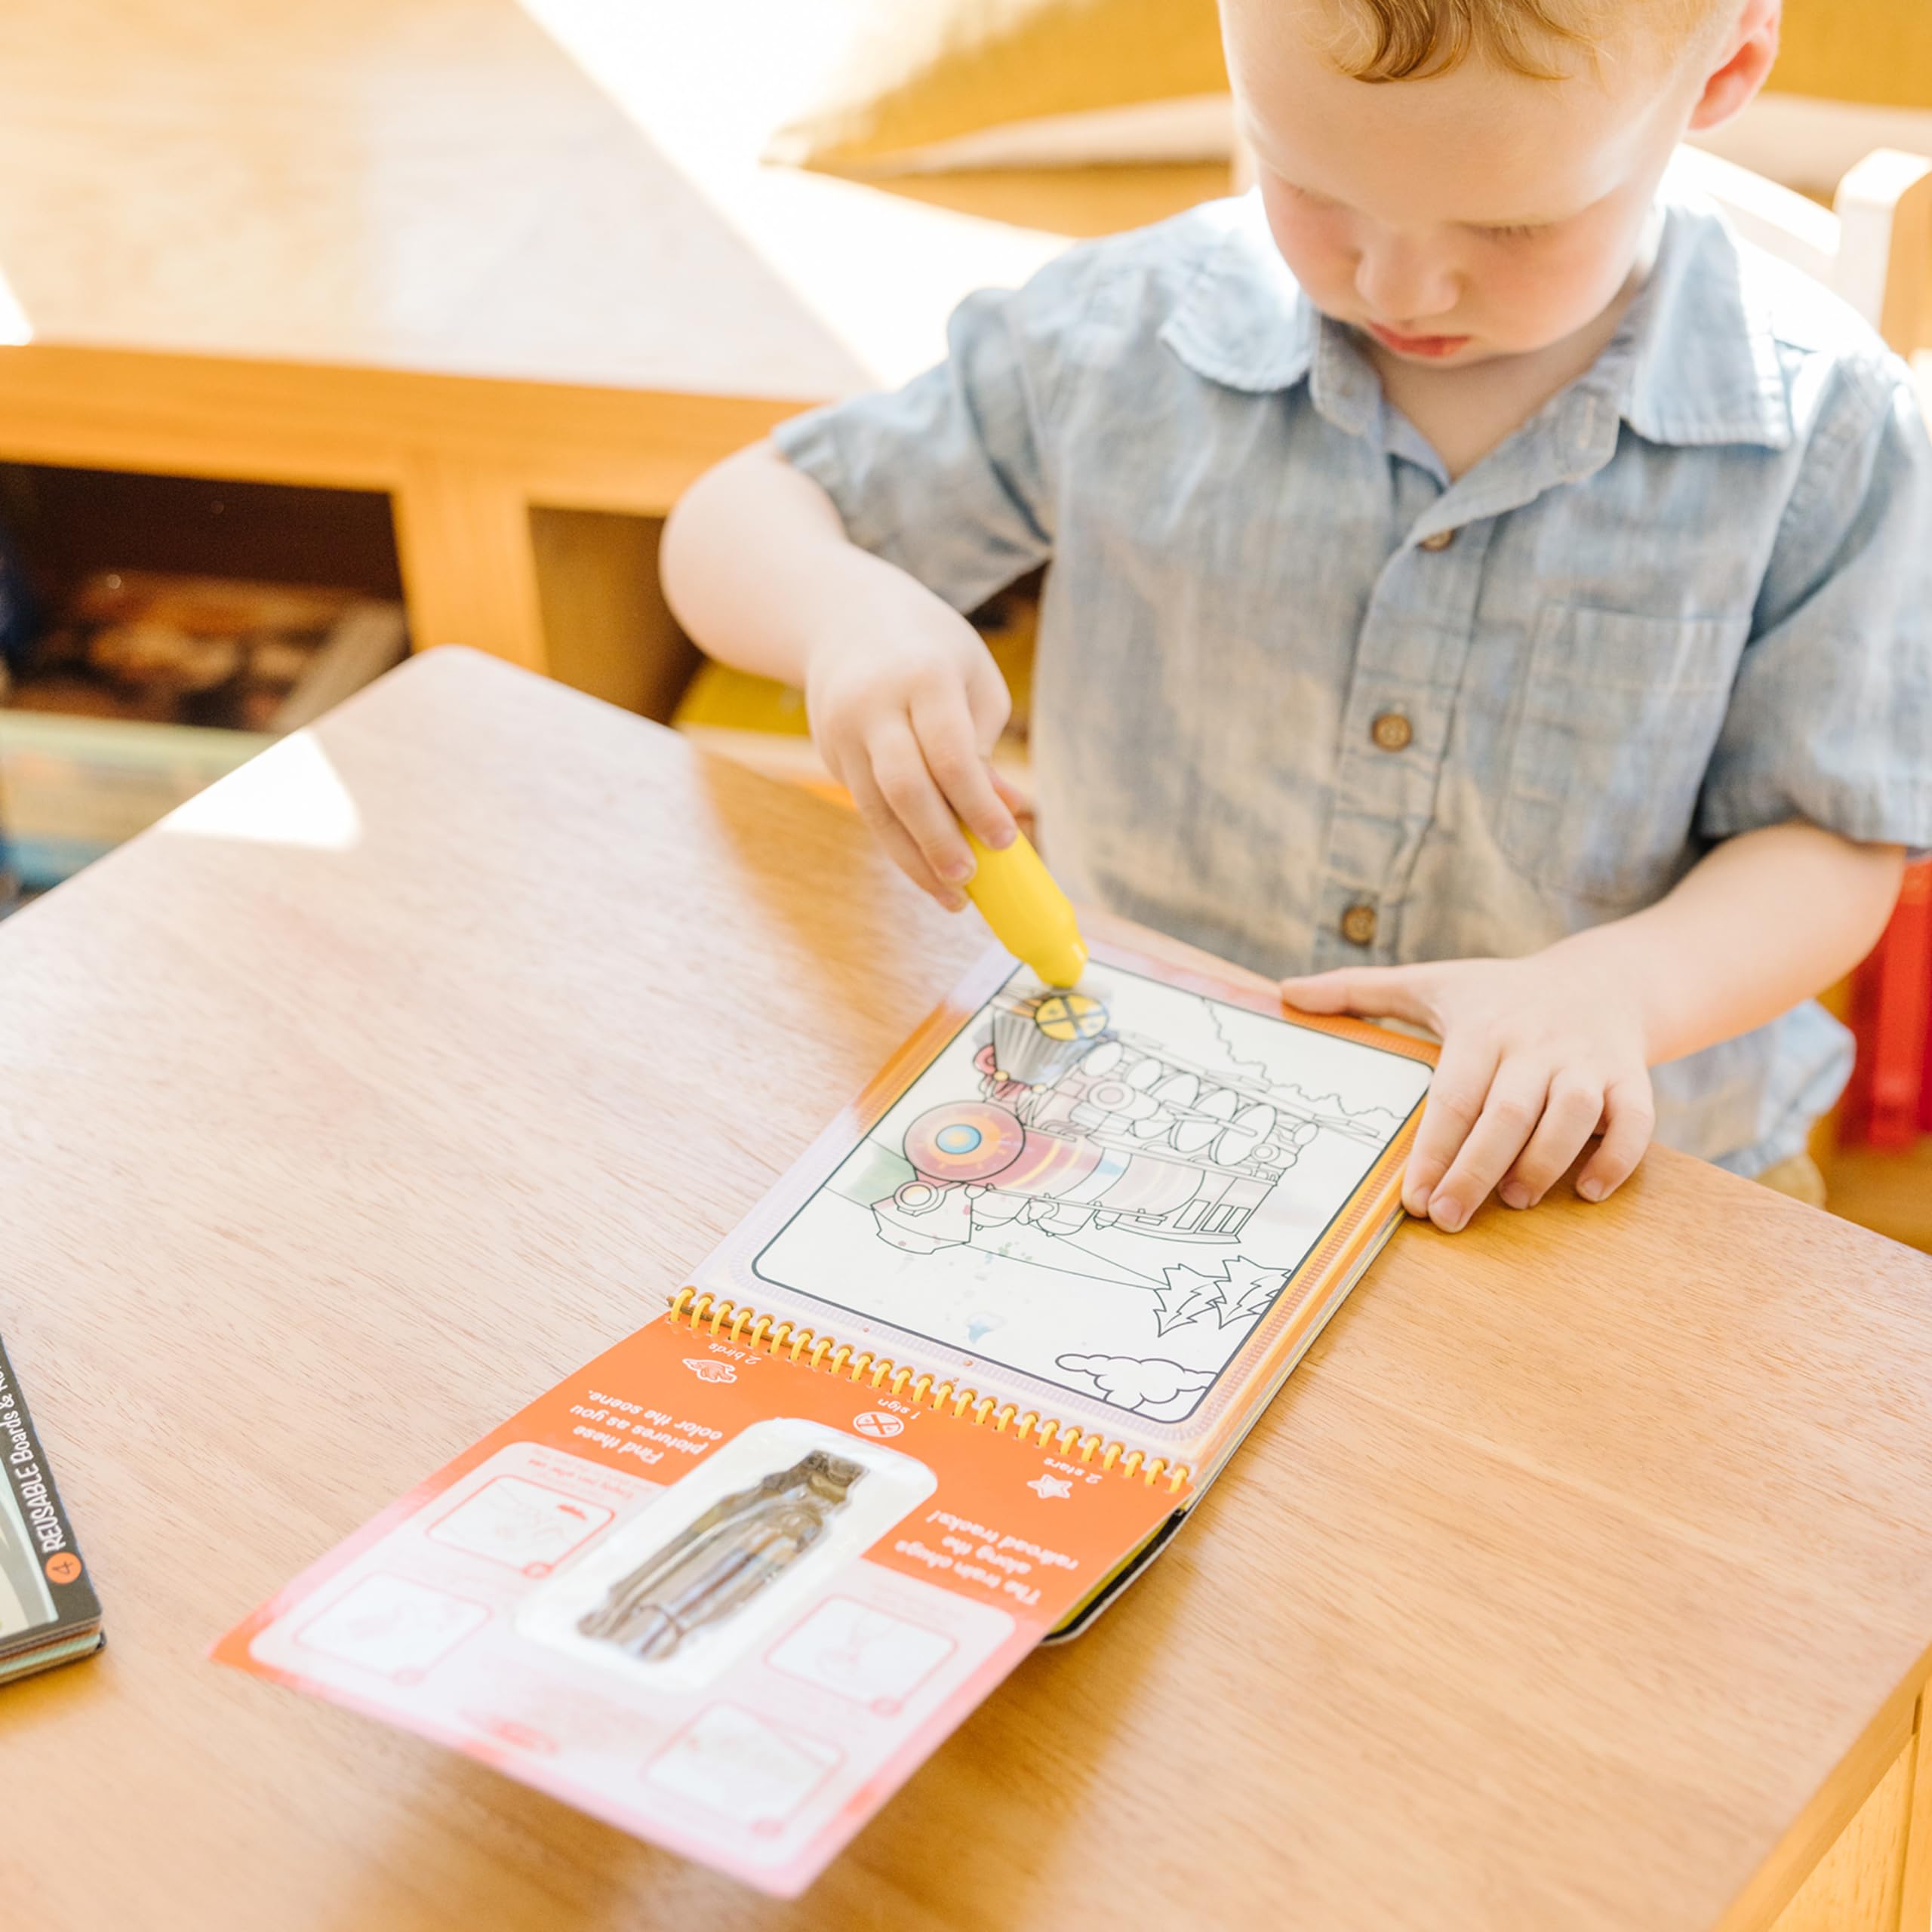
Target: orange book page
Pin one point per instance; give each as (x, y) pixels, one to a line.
(761, 1739)
(1127, 1207)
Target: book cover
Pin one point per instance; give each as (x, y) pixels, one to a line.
(48, 1612)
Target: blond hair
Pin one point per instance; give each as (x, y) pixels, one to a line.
(1397, 40)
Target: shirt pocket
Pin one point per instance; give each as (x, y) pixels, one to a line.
(1618, 719)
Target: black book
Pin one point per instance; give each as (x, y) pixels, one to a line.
(49, 1614)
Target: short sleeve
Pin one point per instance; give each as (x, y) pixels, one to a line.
(1830, 719)
(947, 477)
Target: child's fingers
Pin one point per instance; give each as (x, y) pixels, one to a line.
(899, 770)
(1381, 992)
(1515, 1103)
(987, 701)
(886, 828)
(1457, 1090)
(1633, 1120)
(1571, 1114)
(945, 732)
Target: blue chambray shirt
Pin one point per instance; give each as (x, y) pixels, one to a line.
(1290, 676)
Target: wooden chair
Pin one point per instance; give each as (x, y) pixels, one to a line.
(1873, 245)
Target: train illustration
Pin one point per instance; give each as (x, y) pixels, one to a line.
(1076, 1126)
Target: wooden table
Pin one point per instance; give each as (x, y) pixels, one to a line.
(500, 261)
(1582, 1579)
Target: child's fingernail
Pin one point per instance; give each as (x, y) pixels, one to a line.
(1591, 1190)
(956, 871)
(953, 902)
(1004, 836)
(1449, 1213)
(1513, 1193)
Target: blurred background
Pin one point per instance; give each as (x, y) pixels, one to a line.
(326, 331)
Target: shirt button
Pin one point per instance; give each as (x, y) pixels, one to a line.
(1358, 925)
(1391, 731)
(1438, 540)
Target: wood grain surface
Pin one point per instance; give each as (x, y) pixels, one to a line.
(1581, 1578)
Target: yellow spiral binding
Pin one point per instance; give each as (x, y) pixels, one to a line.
(748, 1327)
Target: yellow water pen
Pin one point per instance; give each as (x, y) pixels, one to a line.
(1029, 915)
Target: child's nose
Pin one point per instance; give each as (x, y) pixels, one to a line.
(1403, 286)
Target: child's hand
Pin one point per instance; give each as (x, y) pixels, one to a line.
(1538, 1055)
(906, 706)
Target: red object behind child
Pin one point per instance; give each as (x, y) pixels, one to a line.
(1888, 1103)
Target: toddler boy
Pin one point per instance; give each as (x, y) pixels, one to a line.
(1483, 590)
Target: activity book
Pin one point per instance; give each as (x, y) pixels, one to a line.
(943, 1392)
(48, 1612)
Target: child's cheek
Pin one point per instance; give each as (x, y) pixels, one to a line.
(1314, 243)
(1563, 285)
(1537, 296)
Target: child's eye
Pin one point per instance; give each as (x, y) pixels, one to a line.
(1519, 232)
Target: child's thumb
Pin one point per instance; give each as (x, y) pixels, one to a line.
(1377, 992)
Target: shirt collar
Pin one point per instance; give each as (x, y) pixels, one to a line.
(1243, 321)
(1704, 366)
(1694, 361)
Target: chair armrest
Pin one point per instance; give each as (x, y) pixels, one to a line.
(1885, 209)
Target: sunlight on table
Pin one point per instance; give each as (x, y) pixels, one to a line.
(289, 796)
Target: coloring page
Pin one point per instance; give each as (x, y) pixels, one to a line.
(1107, 1189)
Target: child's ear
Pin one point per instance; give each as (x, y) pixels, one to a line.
(1748, 50)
